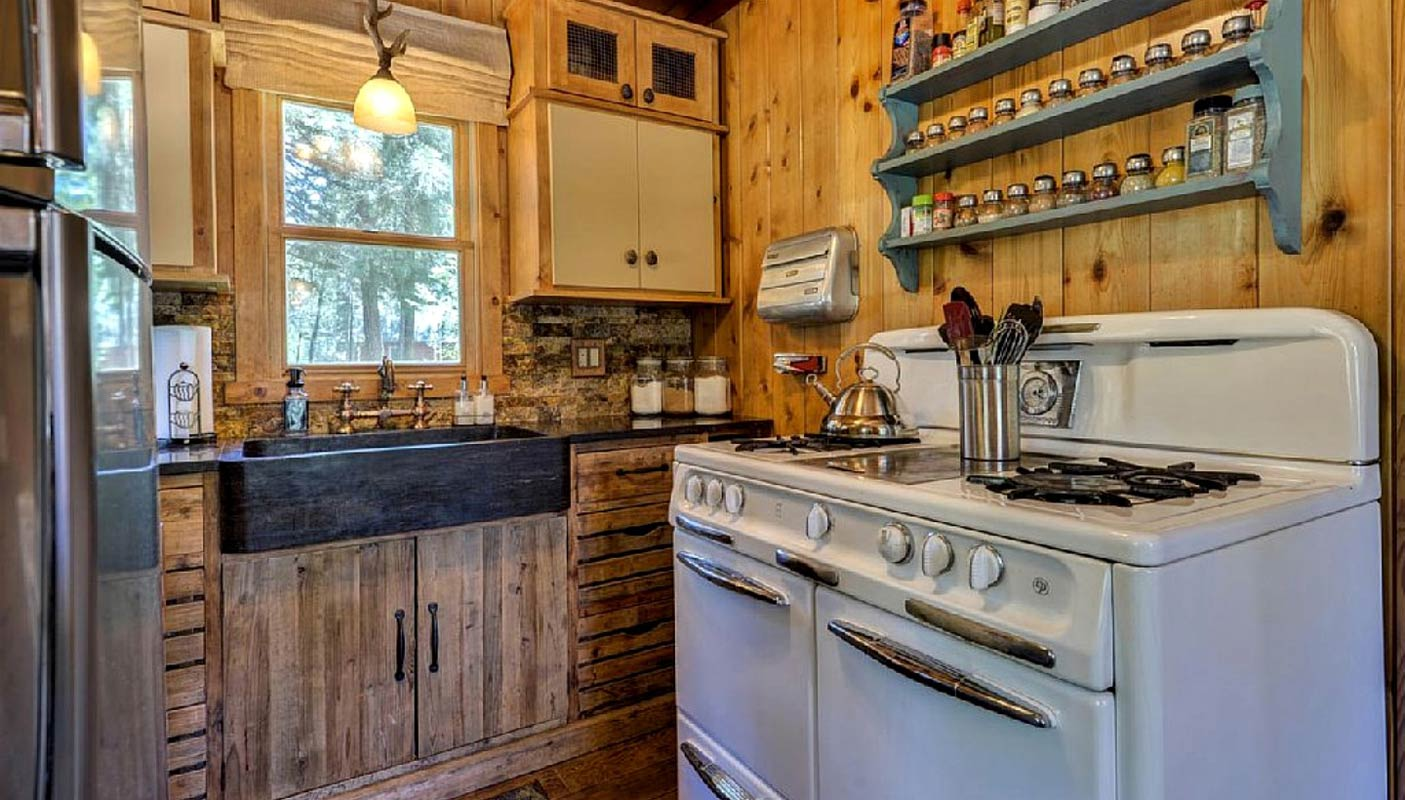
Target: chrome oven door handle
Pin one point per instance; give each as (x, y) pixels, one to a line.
(806, 569)
(703, 529)
(731, 580)
(722, 785)
(980, 634)
(944, 678)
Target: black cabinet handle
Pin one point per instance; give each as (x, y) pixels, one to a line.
(624, 473)
(627, 92)
(651, 258)
(649, 96)
(433, 637)
(399, 645)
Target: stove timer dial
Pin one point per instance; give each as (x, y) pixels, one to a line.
(693, 489)
(817, 522)
(895, 543)
(937, 555)
(733, 499)
(987, 567)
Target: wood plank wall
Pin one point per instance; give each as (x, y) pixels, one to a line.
(801, 82)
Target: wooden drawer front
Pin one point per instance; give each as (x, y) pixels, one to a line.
(187, 690)
(616, 478)
(183, 527)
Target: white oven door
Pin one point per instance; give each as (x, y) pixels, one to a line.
(708, 772)
(745, 642)
(907, 712)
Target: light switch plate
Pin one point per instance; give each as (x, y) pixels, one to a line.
(587, 358)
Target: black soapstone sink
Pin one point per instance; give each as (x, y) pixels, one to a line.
(296, 491)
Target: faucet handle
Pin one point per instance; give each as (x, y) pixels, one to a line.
(420, 387)
(347, 389)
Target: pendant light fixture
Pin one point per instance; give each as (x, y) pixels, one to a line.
(383, 105)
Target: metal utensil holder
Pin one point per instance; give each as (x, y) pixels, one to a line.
(990, 416)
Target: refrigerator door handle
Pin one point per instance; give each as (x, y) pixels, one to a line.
(56, 104)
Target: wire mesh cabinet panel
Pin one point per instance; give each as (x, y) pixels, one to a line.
(592, 52)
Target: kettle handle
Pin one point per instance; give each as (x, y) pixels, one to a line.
(844, 356)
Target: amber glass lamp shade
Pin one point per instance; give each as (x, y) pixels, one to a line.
(384, 106)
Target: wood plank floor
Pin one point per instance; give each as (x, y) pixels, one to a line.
(644, 768)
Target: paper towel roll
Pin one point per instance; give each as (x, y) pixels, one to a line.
(188, 392)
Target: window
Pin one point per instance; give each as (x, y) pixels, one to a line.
(107, 189)
(371, 230)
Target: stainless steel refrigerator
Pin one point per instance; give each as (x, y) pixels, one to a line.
(81, 712)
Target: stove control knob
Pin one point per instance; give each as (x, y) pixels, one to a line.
(714, 494)
(693, 489)
(987, 567)
(895, 543)
(817, 522)
(937, 555)
(733, 499)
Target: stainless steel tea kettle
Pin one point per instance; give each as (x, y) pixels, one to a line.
(865, 409)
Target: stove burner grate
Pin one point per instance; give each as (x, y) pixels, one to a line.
(1110, 482)
(815, 443)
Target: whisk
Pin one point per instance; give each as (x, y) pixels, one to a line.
(1008, 343)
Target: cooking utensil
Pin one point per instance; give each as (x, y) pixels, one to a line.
(1008, 344)
(982, 324)
(864, 409)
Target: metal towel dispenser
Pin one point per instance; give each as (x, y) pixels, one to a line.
(811, 278)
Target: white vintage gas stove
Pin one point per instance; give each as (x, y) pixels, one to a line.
(1178, 597)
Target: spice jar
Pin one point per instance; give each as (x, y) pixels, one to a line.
(1172, 167)
(979, 120)
(958, 43)
(1107, 181)
(1091, 80)
(1160, 56)
(1060, 92)
(1139, 177)
(646, 393)
(992, 208)
(1245, 127)
(955, 128)
(1205, 137)
(1046, 194)
(1237, 29)
(1074, 190)
(712, 387)
(678, 387)
(941, 48)
(936, 134)
(921, 214)
(1042, 10)
(1031, 101)
(1196, 45)
(1005, 110)
(1016, 15)
(1017, 200)
(1124, 69)
(943, 211)
(966, 210)
(914, 141)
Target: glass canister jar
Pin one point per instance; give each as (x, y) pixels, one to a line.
(936, 134)
(678, 397)
(1090, 81)
(1046, 194)
(1017, 200)
(979, 120)
(1075, 188)
(1245, 128)
(712, 387)
(1060, 92)
(1205, 137)
(1172, 167)
(955, 128)
(966, 210)
(1237, 29)
(646, 393)
(1107, 181)
(943, 211)
(1005, 110)
(1160, 56)
(1196, 45)
(914, 141)
(1124, 70)
(1139, 177)
(1031, 102)
(992, 208)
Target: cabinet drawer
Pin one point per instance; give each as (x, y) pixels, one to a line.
(616, 478)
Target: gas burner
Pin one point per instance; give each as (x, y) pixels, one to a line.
(815, 443)
(1110, 482)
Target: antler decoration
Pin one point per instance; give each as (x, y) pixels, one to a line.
(372, 21)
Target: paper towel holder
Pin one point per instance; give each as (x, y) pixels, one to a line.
(183, 417)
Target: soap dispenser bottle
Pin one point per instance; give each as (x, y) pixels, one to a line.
(483, 403)
(464, 408)
(295, 404)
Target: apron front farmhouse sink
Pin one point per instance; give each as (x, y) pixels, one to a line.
(291, 492)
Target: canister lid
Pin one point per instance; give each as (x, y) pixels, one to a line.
(1105, 170)
(1045, 184)
(1060, 86)
(1075, 177)
(993, 196)
(1031, 97)
(1017, 190)
(967, 201)
(1139, 164)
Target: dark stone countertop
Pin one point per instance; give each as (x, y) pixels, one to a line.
(176, 460)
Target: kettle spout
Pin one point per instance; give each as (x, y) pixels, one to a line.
(814, 380)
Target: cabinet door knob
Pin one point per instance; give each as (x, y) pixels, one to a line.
(651, 258)
(649, 96)
(631, 257)
(627, 92)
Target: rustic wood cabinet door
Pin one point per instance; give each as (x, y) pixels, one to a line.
(592, 52)
(677, 212)
(318, 667)
(594, 199)
(493, 631)
(677, 71)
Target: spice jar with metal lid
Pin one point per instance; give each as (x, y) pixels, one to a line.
(1005, 110)
(1041, 10)
(1139, 177)
(1160, 56)
(955, 128)
(914, 141)
(1091, 80)
(979, 119)
(936, 134)
(1060, 92)
(1046, 194)
(1196, 45)
(966, 210)
(992, 208)
(1016, 200)
(1245, 128)
(941, 48)
(1124, 69)
(1237, 29)
(1075, 188)
(1031, 102)
(1205, 137)
(1107, 181)
(943, 211)
(922, 214)
(1172, 167)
